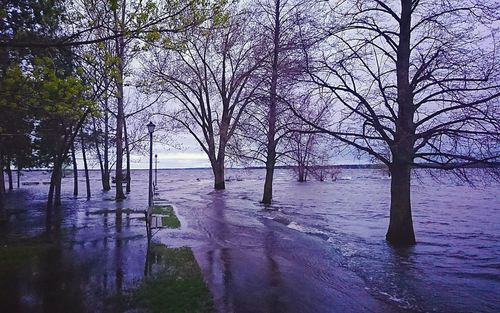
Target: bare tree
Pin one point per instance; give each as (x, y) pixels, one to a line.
(417, 78)
(85, 165)
(208, 73)
(267, 120)
(96, 65)
(308, 150)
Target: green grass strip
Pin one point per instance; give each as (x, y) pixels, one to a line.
(169, 219)
(176, 286)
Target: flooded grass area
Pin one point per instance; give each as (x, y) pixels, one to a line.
(168, 217)
(18, 254)
(94, 258)
(173, 284)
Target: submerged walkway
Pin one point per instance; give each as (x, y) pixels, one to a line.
(254, 264)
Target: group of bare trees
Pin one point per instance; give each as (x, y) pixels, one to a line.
(209, 78)
(226, 80)
(409, 83)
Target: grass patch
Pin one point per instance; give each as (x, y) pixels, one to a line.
(169, 219)
(175, 286)
(17, 254)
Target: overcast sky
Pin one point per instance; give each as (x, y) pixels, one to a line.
(194, 159)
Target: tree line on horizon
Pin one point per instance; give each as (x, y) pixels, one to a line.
(407, 83)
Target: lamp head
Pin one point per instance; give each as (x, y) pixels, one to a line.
(151, 127)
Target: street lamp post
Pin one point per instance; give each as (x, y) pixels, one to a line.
(151, 129)
(156, 171)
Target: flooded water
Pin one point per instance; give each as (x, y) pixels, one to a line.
(319, 248)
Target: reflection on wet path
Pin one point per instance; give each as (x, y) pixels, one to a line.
(253, 264)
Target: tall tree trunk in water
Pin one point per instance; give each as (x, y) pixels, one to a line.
(75, 170)
(55, 179)
(302, 172)
(218, 162)
(105, 169)
(120, 50)
(271, 134)
(3, 214)
(401, 225)
(268, 184)
(18, 177)
(105, 183)
(2, 177)
(127, 153)
(50, 197)
(218, 169)
(119, 149)
(400, 230)
(9, 174)
(58, 183)
(98, 152)
(85, 166)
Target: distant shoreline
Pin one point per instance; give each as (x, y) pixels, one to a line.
(341, 166)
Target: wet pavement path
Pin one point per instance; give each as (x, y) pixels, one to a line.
(255, 264)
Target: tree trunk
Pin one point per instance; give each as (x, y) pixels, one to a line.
(58, 183)
(85, 166)
(106, 186)
(400, 230)
(9, 174)
(2, 177)
(120, 51)
(54, 196)
(119, 151)
(18, 178)
(218, 165)
(3, 215)
(218, 169)
(105, 177)
(55, 179)
(401, 225)
(50, 196)
(75, 170)
(127, 153)
(104, 181)
(50, 201)
(268, 184)
(302, 173)
(273, 99)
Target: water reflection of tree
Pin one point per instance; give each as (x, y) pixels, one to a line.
(217, 228)
(118, 250)
(223, 272)
(274, 303)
